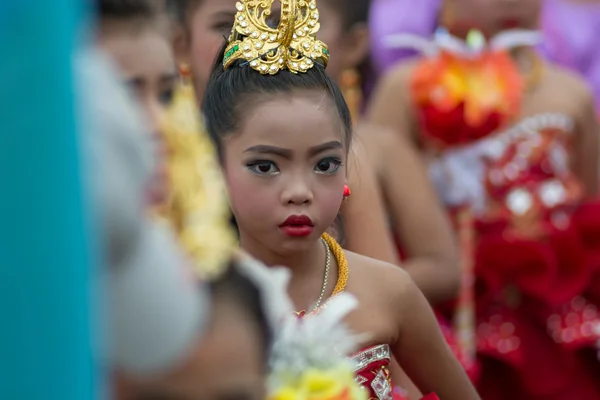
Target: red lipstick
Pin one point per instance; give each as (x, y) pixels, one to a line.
(297, 226)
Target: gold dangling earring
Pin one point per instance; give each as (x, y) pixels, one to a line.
(185, 73)
(350, 86)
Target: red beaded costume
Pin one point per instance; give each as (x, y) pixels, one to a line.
(371, 367)
(536, 252)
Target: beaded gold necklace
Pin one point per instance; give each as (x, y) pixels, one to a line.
(342, 280)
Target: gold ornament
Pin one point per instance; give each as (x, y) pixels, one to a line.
(198, 207)
(343, 272)
(292, 45)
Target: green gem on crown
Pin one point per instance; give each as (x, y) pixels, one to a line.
(325, 51)
(231, 51)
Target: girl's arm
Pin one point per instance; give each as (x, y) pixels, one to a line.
(420, 347)
(391, 104)
(366, 230)
(420, 221)
(586, 146)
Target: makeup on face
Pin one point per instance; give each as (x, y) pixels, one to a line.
(285, 170)
(209, 25)
(146, 61)
(297, 226)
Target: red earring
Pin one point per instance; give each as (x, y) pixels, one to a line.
(346, 191)
(185, 71)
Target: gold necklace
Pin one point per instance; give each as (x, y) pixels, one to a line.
(332, 246)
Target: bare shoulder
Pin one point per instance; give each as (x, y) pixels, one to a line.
(561, 91)
(561, 75)
(391, 103)
(400, 74)
(368, 132)
(374, 138)
(392, 284)
(569, 82)
(392, 83)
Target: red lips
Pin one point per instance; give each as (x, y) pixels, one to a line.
(297, 226)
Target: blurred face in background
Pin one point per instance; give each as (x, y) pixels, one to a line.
(348, 41)
(491, 16)
(208, 25)
(146, 61)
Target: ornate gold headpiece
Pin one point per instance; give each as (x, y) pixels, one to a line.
(198, 208)
(292, 45)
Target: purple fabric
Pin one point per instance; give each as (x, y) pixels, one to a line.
(394, 16)
(571, 32)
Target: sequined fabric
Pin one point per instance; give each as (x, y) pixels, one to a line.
(536, 258)
(371, 369)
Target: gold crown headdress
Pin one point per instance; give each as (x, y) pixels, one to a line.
(292, 45)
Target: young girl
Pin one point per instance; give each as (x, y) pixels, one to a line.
(512, 144)
(283, 133)
(202, 26)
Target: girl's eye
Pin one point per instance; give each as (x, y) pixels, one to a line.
(328, 166)
(263, 168)
(223, 27)
(166, 97)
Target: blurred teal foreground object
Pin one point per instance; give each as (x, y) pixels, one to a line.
(45, 264)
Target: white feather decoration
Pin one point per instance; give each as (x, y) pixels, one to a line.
(314, 344)
(443, 40)
(320, 342)
(273, 284)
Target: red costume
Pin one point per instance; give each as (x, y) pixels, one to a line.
(371, 367)
(536, 242)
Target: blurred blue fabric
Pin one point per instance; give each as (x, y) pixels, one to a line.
(46, 346)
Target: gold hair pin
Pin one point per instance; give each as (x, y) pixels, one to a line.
(292, 45)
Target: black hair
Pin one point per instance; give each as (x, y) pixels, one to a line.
(235, 286)
(353, 11)
(179, 9)
(128, 9)
(229, 91)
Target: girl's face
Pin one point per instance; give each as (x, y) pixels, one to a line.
(492, 16)
(332, 33)
(285, 171)
(147, 63)
(227, 363)
(209, 24)
(349, 46)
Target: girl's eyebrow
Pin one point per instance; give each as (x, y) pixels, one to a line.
(287, 153)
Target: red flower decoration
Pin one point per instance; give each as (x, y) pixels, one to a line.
(453, 106)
